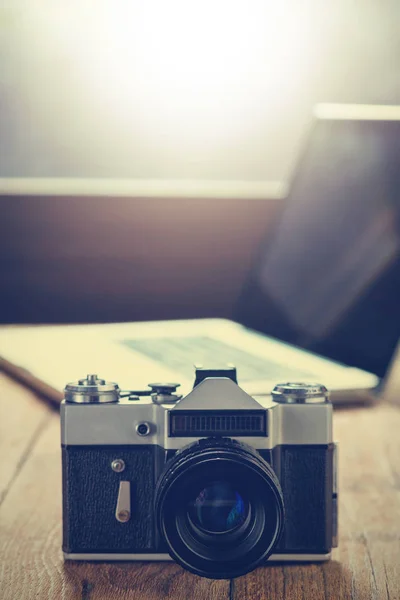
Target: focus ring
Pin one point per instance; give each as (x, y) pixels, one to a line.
(201, 446)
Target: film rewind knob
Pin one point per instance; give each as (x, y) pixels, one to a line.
(91, 390)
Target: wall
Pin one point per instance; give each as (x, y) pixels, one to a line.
(83, 259)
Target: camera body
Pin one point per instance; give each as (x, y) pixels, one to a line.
(218, 480)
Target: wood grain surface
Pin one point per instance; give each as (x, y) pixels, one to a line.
(366, 564)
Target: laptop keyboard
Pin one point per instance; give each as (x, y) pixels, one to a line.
(181, 353)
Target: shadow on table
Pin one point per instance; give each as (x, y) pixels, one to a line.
(139, 581)
(294, 580)
(154, 581)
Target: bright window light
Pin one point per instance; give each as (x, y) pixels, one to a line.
(158, 88)
(216, 56)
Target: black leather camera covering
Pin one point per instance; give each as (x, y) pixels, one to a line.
(305, 474)
(90, 492)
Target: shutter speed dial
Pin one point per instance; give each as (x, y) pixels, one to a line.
(300, 393)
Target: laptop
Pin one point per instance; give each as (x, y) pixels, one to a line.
(320, 302)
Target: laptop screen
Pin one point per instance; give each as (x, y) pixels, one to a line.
(328, 279)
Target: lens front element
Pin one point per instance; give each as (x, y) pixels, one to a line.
(218, 508)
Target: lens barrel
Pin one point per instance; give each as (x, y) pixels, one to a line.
(219, 508)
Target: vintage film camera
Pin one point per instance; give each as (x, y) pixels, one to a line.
(217, 480)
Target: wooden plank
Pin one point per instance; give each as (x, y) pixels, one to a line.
(330, 581)
(22, 419)
(367, 562)
(31, 563)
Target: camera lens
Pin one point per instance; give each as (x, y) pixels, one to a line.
(219, 508)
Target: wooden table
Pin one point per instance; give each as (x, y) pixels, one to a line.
(366, 564)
